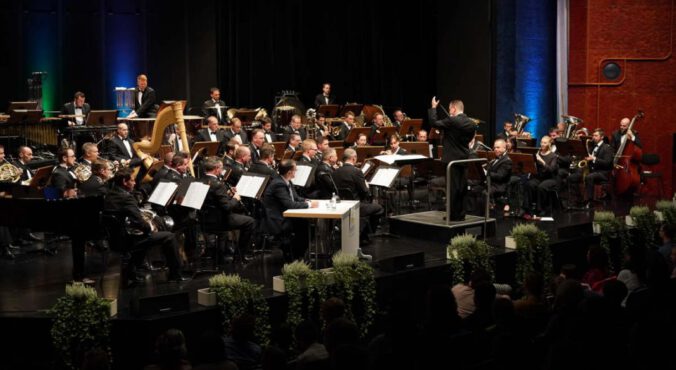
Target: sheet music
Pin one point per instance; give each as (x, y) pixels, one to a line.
(195, 195)
(365, 168)
(162, 193)
(384, 176)
(390, 159)
(248, 186)
(302, 175)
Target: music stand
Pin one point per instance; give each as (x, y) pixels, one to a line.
(366, 152)
(246, 116)
(211, 147)
(410, 126)
(304, 175)
(335, 144)
(383, 134)
(529, 149)
(22, 105)
(351, 107)
(101, 118)
(572, 147)
(354, 133)
(416, 147)
(489, 155)
(523, 163)
(252, 185)
(328, 110)
(525, 141)
(280, 148)
(368, 168)
(41, 177)
(290, 155)
(24, 116)
(296, 155)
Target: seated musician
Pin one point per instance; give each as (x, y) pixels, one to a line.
(394, 148)
(145, 99)
(257, 141)
(212, 133)
(97, 184)
(352, 178)
(215, 107)
(423, 138)
(322, 145)
(324, 175)
(177, 170)
(25, 155)
(236, 132)
(162, 171)
(377, 123)
(345, 127)
(122, 149)
(309, 148)
(325, 98)
(600, 162)
(294, 127)
(553, 134)
(616, 137)
(399, 118)
(90, 153)
(62, 178)
(241, 164)
(229, 155)
(269, 135)
(499, 170)
(293, 144)
(119, 200)
(280, 195)
(362, 140)
(226, 207)
(506, 130)
(78, 108)
(545, 181)
(265, 164)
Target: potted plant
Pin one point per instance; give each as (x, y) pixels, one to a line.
(666, 211)
(238, 296)
(355, 284)
(294, 279)
(81, 323)
(533, 254)
(610, 228)
(645, 223)
(466, 250)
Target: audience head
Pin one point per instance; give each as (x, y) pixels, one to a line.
(332, 309)
(171, 347)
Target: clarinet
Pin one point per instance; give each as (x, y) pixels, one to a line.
(232, 193)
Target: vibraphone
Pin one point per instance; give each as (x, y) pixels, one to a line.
(45, 132)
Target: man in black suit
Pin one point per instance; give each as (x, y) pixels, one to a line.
(345, 127)
(394, 146)
(352, 178)
(145, 99)
(62, 178)
(309, 148)
(120, 201)
(600, 164)
(325, 97)
(616, 137)
(235, 132)
(241, 164)
(269, 135)
(215, 106)
(25, 156)
(76, 107)
(229, 155)
(122, 149)
(280, 195)
(458, 131)
(499, 169)
(212, 133)
(293, 144)
(97, 184)
(90, 153)
(257, 141)
(263, 165)
(324, 175)
(295, 128)
(221, 209)
(506, 130)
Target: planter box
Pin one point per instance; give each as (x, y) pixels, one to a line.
(113, 306)
(659, 216)
(596, 228)
(629, 221)
(278, 281)
(205, 297)
(510, 242)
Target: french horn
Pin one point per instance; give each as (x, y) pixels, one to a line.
(10, 172)
(82, 172)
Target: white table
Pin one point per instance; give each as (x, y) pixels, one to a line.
(347, 211)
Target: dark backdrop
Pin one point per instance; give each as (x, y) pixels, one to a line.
(374, 52)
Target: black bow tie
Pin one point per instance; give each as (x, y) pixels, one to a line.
(213, 132)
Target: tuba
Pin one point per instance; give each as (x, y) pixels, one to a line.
(10, 172)
(168, 115)
(520, 122)
(571, 123)
(369, 112)
(156, 222)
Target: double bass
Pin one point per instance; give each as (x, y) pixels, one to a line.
(626, 162)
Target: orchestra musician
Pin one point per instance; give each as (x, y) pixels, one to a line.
(257, 141)
(227, 215)
(97, 184)
(280, 195)
(177, 169)
(265, 163)
(293, 144)
(309, 147)
(229, 156)
(145, 99)
(90, 153)
(600, 162)
(506, 130)
(422, 137)
(63, 179)
(242, 159)
(215, 107)
(345, 127)
(499, 170)
(235, 132)
(270, 136)
(377, 124)
(324, 174)
(162, 172)
(120, 201)
(394, 147)
(122, 150)
(362, 140)
(77, 107)
(545, 181)
(25, 155)
(350, 177)
(325, 97)
(617, 135)
(322, 145)
(212, 133)
(295, 128)
(458, 131)
(399, 117)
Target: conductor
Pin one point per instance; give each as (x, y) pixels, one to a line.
(458, 131)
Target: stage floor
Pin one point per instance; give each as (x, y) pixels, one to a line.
(33, 282)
